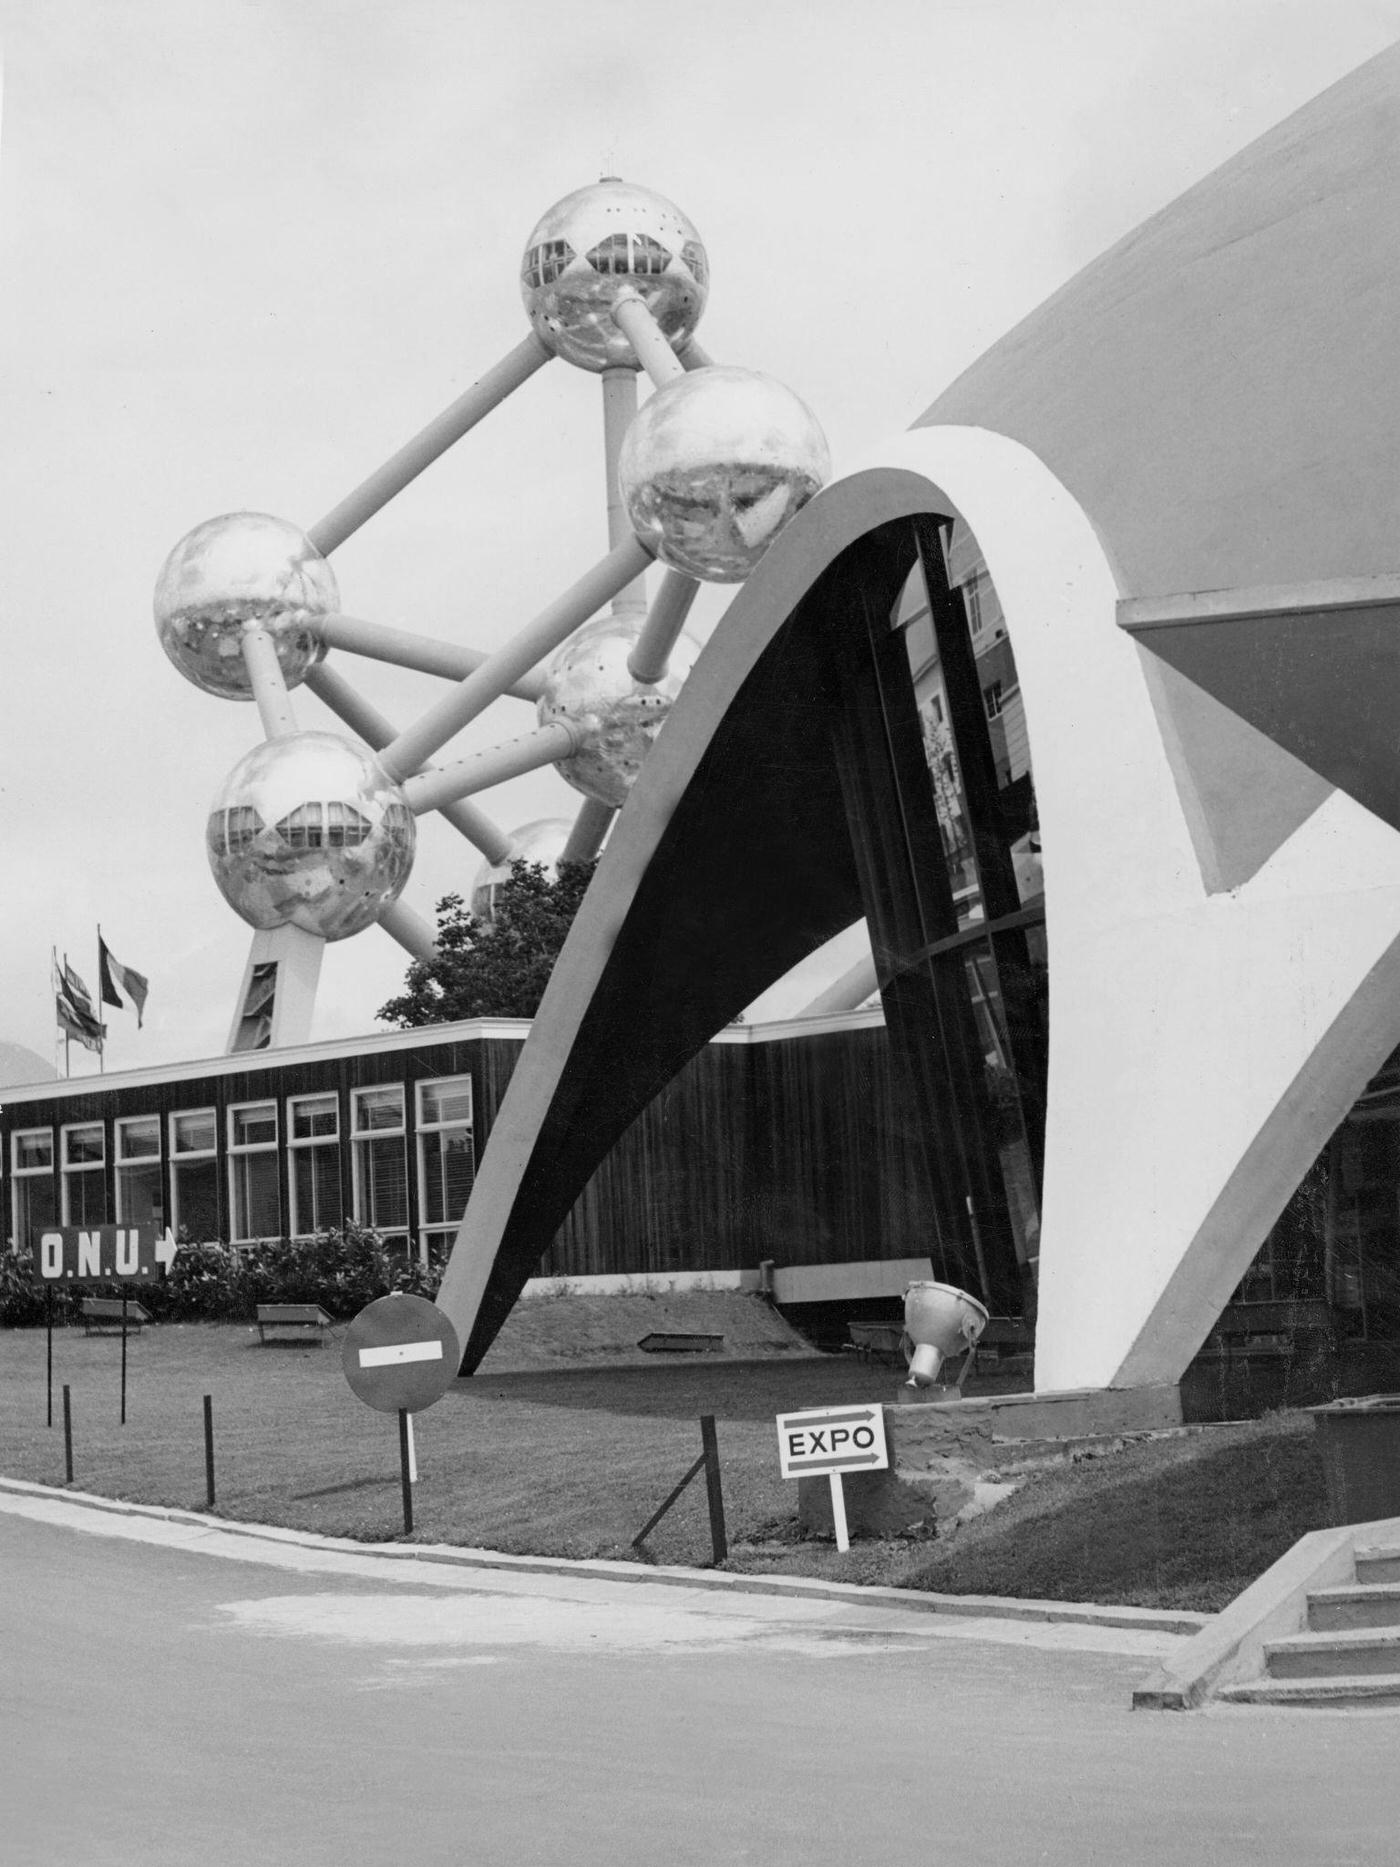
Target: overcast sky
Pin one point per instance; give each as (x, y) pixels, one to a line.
(250, 246)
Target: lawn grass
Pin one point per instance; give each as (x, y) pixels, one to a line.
(550, 1460)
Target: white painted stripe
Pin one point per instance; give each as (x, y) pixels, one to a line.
(394, 1352)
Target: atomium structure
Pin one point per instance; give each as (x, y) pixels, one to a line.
(311, 836)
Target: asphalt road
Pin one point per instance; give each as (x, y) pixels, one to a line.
(212, 1699)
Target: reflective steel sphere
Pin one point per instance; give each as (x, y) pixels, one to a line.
(541, 842)
(244, 567)
(588, 685)
(715, 465)
(308, 831)
(591, 245)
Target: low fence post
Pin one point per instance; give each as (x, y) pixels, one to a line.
(708, 1462)
(209, 1450)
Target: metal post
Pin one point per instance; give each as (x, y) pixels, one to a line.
(619, 412)
(468, 819)
(652, 651)
(406, 1480)
(209, 1450)
(400, 649)
(591, 825)
(719, 1543)
(838, 1511)
(411, 931)
(123, 1420)
(516, 367)
(531, 751)
(48, 1318)
(649, 342)
(68, 1435)
(417, 743)
(269, 686)
(978, 1252)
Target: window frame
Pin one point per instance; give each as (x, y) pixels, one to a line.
(398, 1234)
(120, 1160)
(240, 1152)
(69, 1171)
(423, 1130)
(21, 1178)
(183, 1157)
(296, 1144)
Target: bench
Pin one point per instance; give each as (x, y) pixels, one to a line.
(103, 1316)
(281, 1322)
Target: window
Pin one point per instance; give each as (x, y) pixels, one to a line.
(380, 1163)
(446, 1160)
(194, 1175)
(255, 1199)
(139, 1197)
(32, 1184)
(85, 1175)
(313, 1124)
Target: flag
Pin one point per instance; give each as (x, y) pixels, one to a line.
(74, 1023)
(73, 1007)
(113, 979)
(76, 991)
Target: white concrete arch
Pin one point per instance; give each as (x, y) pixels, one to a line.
(1202, 1048)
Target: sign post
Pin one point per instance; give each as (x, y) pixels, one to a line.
(99, 1254)
(400, 1356)
(833, 1440)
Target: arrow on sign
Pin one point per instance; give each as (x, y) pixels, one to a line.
(165, 1249)
(846, 1460)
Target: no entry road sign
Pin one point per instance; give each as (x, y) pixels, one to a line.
(832, 1439)
(101, 1254)
(400, 1354)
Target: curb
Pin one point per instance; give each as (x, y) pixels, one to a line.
(971, 1607)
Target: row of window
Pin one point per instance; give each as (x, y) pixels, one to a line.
(77, 1193)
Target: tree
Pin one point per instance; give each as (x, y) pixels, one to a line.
(497, 968)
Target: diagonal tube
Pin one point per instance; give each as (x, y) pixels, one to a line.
(468, 819)
(417, 743)
(513, 369)
(591, 825)
(694, 358)
(402, 649)
(652, 651)
(268, 683)
(649, 342)
(430, 790)
(411, 931)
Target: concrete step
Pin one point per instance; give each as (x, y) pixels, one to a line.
(1341, 1689)
(1313, 1656)
(1378, 1565)
(1359, 1604)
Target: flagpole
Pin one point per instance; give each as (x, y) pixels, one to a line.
(101, 1021)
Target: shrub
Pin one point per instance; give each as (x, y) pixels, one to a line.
(342, 1270)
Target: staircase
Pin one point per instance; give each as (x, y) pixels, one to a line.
(1349, 1653)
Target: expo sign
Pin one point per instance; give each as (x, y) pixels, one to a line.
(832, 1440)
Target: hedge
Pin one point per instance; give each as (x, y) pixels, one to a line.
(341, 1270)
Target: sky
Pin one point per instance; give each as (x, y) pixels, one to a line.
(249, 247)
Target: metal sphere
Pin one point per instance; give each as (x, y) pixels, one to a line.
(594, 244)
(588, 684)
(540, 842)
(715, 465)
(241, 568)
(308, 831)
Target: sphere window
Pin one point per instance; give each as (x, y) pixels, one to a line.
(635, 253)
(234, 830)
(694, 256)
(544, 263)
